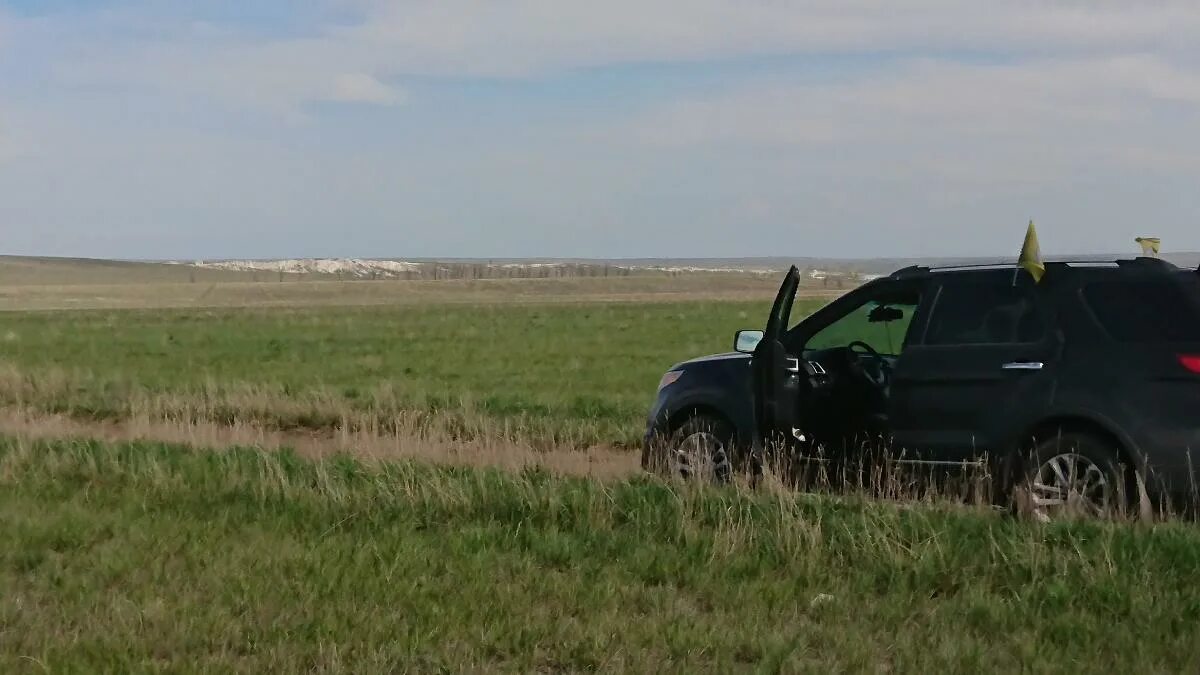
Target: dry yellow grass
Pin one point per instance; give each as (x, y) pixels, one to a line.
(422, 443)
(334, 293)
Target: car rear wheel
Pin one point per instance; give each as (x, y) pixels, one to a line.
(1073, 475)
(702, 450)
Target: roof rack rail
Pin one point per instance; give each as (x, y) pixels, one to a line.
(1076, 262)
(1085, 263)
(1011, 264)
(917, 270)
(1148, 261)
(973, 266)
(911, 270)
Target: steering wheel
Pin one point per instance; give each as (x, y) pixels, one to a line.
(860, 352)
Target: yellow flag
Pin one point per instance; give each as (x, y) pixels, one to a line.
(1149, 246)
(1031, 255)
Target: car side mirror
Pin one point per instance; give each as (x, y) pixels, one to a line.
(885, 314)
(745, 341)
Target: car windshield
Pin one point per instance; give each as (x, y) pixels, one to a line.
(882, 324)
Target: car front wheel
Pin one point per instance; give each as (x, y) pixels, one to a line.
(701, 450)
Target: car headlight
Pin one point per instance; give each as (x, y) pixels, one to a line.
(669, 377)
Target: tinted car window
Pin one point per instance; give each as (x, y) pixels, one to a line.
(881, 322)
(971, 314)
(1146, 310)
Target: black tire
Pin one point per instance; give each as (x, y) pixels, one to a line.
(1072, 474)
(703, 449)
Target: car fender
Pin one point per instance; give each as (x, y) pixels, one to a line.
(738, 410)
(1083, 413)
(717, 396)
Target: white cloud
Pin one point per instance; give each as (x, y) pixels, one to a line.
(528, 36)
(12, 147)
(522, 38)
(1159, 79)
(1095, 146)
(362, 88)
(1089, 105)
(278, 78)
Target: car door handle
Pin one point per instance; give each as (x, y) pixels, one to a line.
(1024, 365)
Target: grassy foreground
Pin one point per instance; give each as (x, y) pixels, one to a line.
(575, 374)
(122, 558)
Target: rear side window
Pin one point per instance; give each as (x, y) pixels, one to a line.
(1146, 310)
(979, 314)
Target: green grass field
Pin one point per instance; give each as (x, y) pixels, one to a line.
(580, 373)
(207, 555)
(148, 557)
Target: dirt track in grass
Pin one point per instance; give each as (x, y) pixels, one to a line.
(596, 462)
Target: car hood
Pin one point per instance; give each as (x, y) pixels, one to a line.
(713, 358)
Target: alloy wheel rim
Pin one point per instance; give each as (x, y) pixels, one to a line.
(701, 456)
(1069, 484)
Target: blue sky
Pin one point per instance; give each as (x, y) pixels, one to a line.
(147, 129)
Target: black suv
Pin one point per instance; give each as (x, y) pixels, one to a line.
(1083, 387)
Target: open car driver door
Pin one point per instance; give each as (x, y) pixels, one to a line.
(776, 373)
